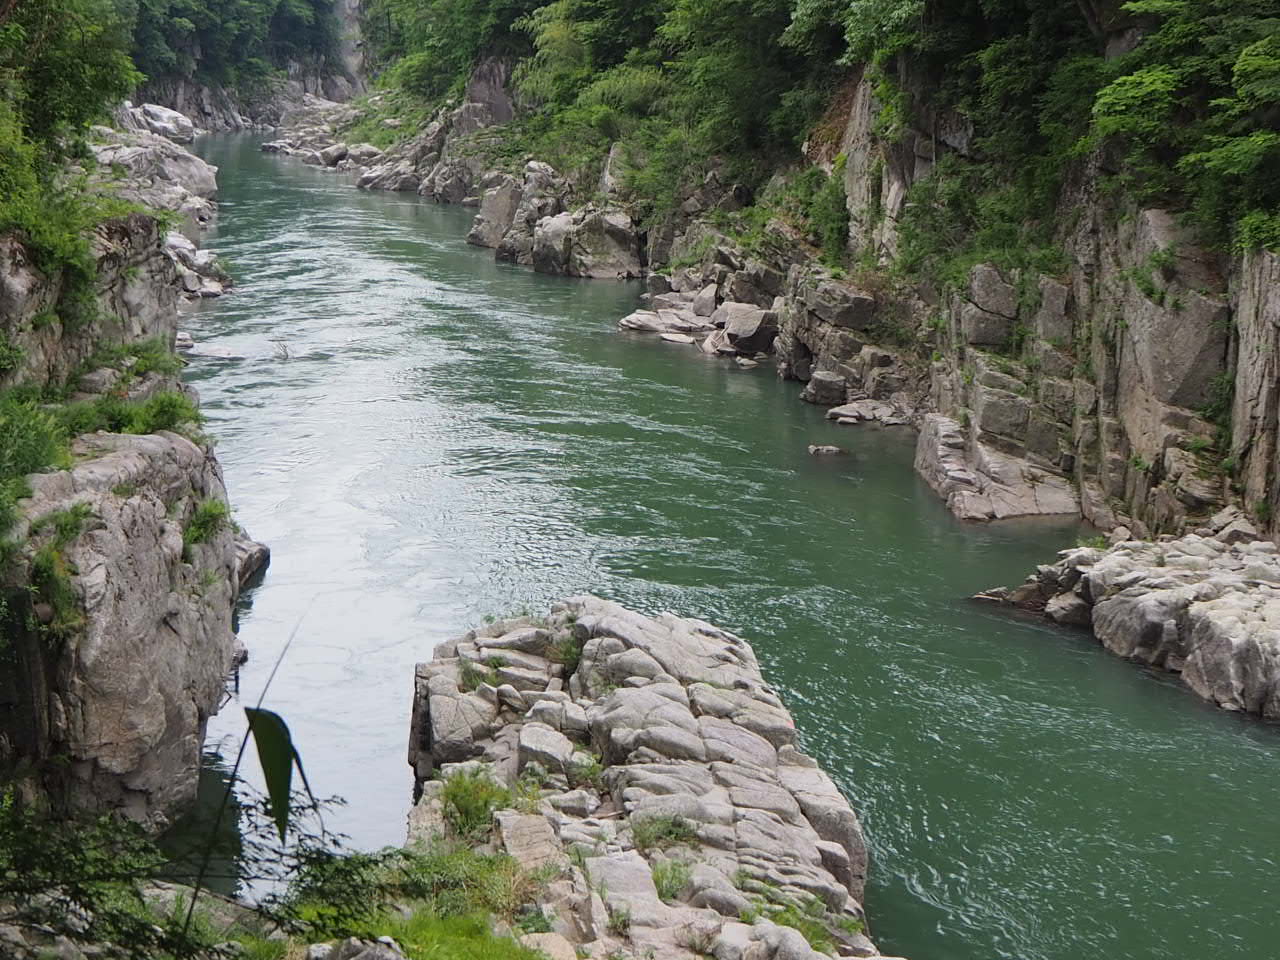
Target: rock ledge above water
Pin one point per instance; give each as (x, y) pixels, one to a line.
(1207, 607)
(628, 722)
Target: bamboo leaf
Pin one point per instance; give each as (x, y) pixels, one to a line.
(277, 756)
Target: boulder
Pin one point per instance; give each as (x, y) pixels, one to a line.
(331, 154)
(704, 303)
(498, 206)
(748, 328)
(546, 747)
(165, 122)
(595, 243)
(825, 388)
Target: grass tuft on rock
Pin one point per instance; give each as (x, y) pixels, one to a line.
(470, 798)
(209, 519)
(670, 877)
(653, 833)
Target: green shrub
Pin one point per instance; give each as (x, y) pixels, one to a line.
(31, 441)
(470, 798)
(136, 359)
(11, 355)
(619, 920)
(67, 524)
(829, 216)
(471, 675)
(467, 937)
(566, 650)
(649, 833)
(451, 879)
(51, 586)
(168, 410)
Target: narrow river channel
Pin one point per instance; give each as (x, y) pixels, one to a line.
(426, 438)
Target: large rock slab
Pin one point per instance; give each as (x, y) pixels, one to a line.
(598, 243)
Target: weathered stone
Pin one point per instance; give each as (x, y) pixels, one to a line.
(704, 304)
(825, 388)
(552, 945)
(748, 329)
(1205, 608)
(688, 736)
(497, 213)
(529, 839)
(549, 748)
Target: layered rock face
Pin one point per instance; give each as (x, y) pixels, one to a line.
(136, 286)
(156, 172)
(658, 750)
(1206, 607)
(113, 716)
(118, 626)
(1101, 376)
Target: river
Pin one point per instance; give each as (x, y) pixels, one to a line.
(426, 438)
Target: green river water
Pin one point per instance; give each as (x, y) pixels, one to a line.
(425, 437)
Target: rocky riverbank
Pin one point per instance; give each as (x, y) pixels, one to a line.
(1205, 606)
(1104, 391)
(123, 565)
(662, 785)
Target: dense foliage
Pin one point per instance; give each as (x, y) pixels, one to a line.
(678, 81)
(235, 43)
(1181, 98)
(61, 63)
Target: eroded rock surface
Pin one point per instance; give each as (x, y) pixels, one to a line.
(657, 751)
(1206, 607)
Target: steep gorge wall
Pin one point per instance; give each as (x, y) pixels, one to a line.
(116, 624)
(218, 108)
(1102, 375)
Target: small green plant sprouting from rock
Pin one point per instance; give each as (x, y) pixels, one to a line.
(587, 774)
(470, 798)
(207, 520)
(1097, 543)
(670, 877)
(534, 920)
(566, 650)
(1139, 464)
(471, 675)
(619, 920)
(809, 917)
(650, 833)
(578, 853)
(1198, 444)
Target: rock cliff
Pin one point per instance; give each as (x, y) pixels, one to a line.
(215, 108)
(121, 568)
(110, 713)
(666, 785)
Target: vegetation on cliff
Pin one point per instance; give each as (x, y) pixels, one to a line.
(1177, 100)
(62, 62)
(239, 45)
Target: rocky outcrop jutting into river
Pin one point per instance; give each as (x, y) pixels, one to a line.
(1206, 607)
(654, 750)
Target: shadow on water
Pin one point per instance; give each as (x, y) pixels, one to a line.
(445, 437)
